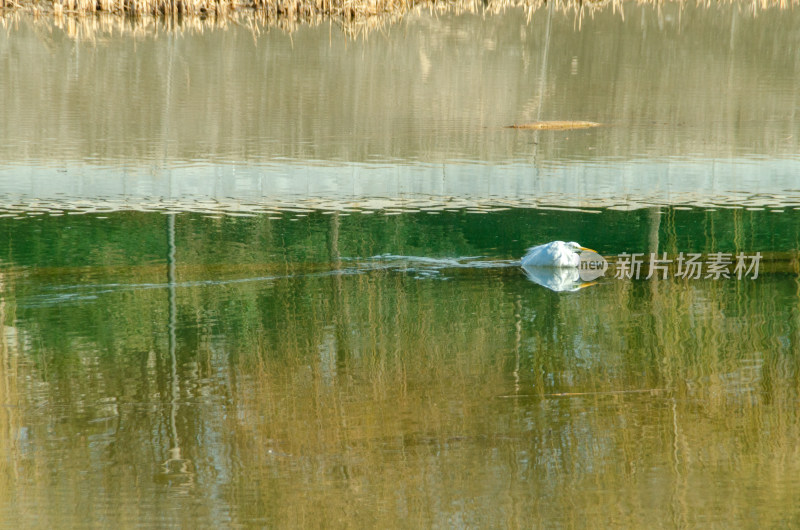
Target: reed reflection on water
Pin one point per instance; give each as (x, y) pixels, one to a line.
(225, 121)
(680, 81)
(321, 380)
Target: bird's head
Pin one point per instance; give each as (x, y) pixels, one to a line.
(576, 247)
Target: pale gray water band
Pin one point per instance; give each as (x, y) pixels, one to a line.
(253, 187)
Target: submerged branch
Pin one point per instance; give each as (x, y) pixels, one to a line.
(557, 125)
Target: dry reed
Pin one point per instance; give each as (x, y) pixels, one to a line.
(356, 17)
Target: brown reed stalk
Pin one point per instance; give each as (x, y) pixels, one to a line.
(355, 17)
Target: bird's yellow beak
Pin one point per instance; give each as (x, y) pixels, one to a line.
(589, 249)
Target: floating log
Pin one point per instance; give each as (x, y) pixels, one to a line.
(554, 125)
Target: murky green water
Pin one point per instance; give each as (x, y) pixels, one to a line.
(272, 281)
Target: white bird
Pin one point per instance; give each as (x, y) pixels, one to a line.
(556, 278)
(554, 254)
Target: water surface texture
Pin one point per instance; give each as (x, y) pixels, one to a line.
(697, 104)
(271, 280)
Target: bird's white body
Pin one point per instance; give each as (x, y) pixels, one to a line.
(555, 278)
(554, 254)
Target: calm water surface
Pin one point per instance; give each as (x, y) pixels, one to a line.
(696, 104)
(370, 369)
(270, 281)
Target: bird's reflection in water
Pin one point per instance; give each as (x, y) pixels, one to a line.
(556, 278)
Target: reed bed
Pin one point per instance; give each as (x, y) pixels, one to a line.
(356, 17)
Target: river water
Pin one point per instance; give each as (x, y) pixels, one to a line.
(251, 278)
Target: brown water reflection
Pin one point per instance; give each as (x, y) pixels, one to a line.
(391, 397)
(420, 417)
